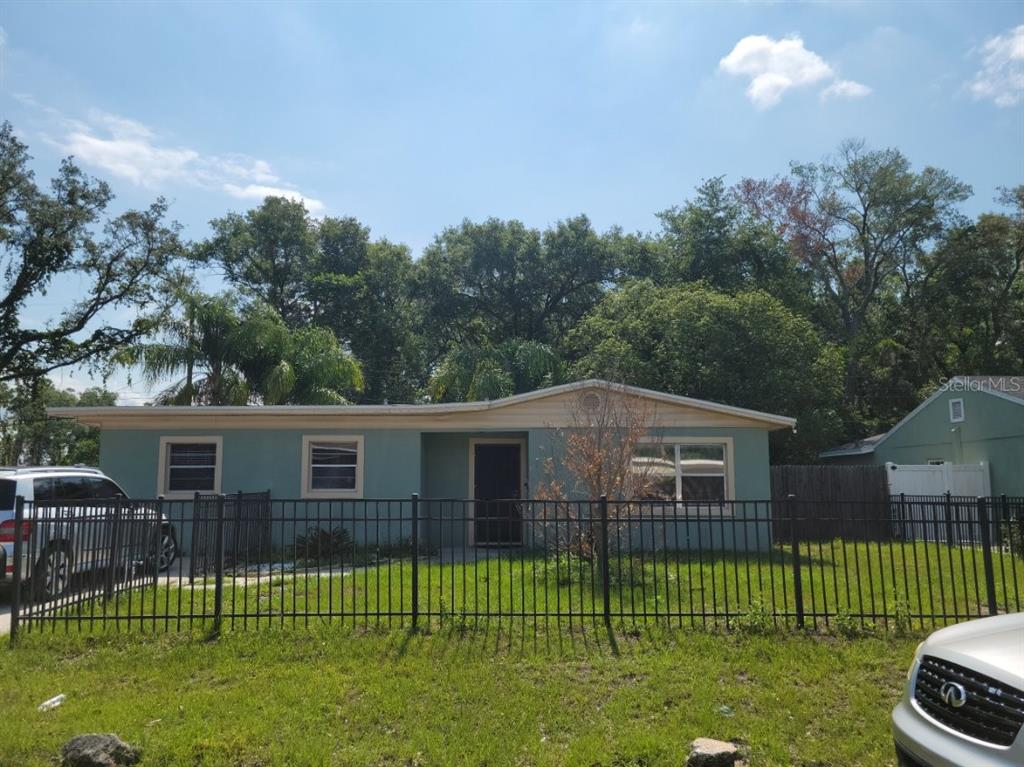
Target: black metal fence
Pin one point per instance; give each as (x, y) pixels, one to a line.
(246, 561)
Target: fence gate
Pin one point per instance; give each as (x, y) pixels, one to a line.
(245, 534)
(969, 480)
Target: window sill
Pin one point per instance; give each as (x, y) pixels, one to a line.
(333, 495)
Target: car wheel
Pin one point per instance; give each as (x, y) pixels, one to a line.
(52, 576)
(168, 548)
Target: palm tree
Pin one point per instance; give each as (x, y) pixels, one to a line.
(219, 354)
(470, 373)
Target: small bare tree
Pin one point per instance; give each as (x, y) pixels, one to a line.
(595, 456)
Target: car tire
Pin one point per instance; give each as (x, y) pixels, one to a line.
(168, 548)
(51, 577)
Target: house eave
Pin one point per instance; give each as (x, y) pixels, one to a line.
(99, 416)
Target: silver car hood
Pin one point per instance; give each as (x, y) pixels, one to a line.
(992, 646)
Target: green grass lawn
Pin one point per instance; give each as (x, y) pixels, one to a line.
(889, 586)
(329, 696)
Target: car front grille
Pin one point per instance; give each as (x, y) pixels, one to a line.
(992, 712)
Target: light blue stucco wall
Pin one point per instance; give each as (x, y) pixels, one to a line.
(398, 463)
(992, 432)
(264, 459)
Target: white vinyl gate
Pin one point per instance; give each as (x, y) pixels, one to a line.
(926, 513)
(937, 479)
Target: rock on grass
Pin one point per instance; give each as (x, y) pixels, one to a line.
(95, 750)
(705, 752)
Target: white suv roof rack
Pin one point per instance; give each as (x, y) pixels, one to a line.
(49, 469)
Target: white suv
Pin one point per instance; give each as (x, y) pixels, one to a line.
(964, 702)
(68, 532)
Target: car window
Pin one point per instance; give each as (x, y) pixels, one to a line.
(102, 488)
(42, 490)
(70, 489)
(8, 490)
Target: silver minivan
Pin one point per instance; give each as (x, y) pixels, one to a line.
(68, 525)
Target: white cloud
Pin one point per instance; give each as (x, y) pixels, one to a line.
(845, 89)
(128, 151)
(259, 191)
(1001, 77)
(131, 150)
(776, 66)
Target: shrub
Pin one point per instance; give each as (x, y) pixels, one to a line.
(1011, 534)
(320, 543)
(757, 620)
(851, 627)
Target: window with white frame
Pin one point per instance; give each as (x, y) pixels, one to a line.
(189, 465)
(332, 466)
(956, 410)
(683, 471)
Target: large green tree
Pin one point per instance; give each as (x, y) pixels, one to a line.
(968, 297)
(495, 281)
(714, 238)
(27, 436)
(746, 349)
(361, 290)
(859, 224)
(120, 267)
(267, 253)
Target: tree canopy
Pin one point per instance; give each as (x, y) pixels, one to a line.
(840, 292)
(120, 263)
(745, 349)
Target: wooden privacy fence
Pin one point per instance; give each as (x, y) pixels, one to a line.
(831, 498)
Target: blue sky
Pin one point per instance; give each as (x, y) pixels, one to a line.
(413, 116)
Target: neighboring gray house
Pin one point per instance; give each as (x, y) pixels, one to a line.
(971, 419)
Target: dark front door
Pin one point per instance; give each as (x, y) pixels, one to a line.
(496, 476)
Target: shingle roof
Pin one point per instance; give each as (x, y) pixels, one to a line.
(857, 447)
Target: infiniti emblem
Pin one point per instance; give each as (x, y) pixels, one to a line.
(953, 694)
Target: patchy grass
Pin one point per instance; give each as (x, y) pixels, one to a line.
(332, 697)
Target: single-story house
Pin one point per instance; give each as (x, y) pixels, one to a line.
(969, 420)
(472, 450)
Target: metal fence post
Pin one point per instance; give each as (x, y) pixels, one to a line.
(986, 557)
(606, 590)
(1004, 522)
(794, 539)
(158, 545)
(218, 552)
(415, 558)
(115, 551)
(18, 556)
(948, 505)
